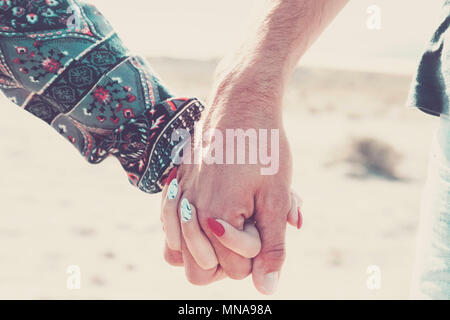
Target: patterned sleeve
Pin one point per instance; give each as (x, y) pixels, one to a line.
(61, 61)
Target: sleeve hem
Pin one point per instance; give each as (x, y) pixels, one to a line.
(160, 156)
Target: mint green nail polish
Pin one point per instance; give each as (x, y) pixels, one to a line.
(172, 191)
(186, 211)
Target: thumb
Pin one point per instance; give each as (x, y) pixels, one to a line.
(271, 224)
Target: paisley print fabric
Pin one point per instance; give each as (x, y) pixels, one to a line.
(61, 61)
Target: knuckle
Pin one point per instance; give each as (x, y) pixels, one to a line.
(172, 259)
(239, 268)
(278, 202)
(242, 205)
(276, 253)
(174, 244)
(239, 274)
(236, 216)
(196, 281)
(207, 264)
(197, 278)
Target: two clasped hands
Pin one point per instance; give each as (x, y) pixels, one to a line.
(229, 220)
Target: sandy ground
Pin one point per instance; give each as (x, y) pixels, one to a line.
(56, 210)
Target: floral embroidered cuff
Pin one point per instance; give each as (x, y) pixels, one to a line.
(81, 80)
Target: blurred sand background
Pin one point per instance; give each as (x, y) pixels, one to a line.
(360, 161)
(361, 199)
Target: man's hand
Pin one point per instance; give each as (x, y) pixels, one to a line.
(244, 99)
(237, 193)
(248, 95)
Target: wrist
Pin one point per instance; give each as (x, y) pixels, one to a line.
(244, 87)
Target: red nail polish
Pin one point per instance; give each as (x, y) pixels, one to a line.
(172, 175)
(300, 219)
(216, 227)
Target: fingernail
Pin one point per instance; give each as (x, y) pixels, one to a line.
(172, 175)
(300, 219)
(271, 282)
(216, 227)
(172, 191)
(186, 212)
